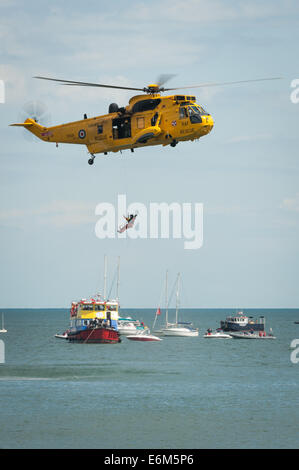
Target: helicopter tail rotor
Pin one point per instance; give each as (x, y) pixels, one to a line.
(37, 111)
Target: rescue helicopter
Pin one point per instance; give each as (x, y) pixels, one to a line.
(149, 119)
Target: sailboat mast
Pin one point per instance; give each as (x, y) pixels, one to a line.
(166, 298)
(177, 298)
(105, 277)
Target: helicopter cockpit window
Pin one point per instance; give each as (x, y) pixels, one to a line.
(145, 105)
(201, 110)
(194, 114)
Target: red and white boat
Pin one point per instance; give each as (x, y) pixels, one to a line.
(143, 336)
(94, 321)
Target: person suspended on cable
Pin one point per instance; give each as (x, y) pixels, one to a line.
(130, 222)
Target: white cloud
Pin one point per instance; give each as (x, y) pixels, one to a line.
(58, 214)
(291, 204)
(248, 138)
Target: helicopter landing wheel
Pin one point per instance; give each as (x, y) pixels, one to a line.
(91, 160)
(173, 143)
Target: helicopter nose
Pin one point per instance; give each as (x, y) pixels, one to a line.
(210, 122)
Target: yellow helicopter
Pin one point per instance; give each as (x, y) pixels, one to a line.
(149, 119)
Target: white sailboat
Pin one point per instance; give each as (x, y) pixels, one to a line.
(177, 328)
(3, 330)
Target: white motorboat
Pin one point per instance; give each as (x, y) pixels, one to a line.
(63, 336)
(129, 326)
(252, 335)
(3, 330)
(216, 334)
(143, 336)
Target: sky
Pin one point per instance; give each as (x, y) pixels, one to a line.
(245, 172)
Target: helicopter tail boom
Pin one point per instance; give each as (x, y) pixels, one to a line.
(32, 126)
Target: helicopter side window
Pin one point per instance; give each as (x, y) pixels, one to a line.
(140, 123)
(145, 105)
(154, 119)
(121, 128)
(100, 129)
(183, 113)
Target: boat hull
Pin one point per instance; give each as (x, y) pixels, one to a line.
(143, 338)
(64, 336)
(217, 335)
(241, 335)
(179, 332)
(95, 335)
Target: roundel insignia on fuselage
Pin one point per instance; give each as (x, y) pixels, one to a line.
(82, 134)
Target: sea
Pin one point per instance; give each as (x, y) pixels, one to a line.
(179, 393)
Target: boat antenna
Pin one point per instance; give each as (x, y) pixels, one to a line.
(177, 298)
(166, 298)
(117, 284)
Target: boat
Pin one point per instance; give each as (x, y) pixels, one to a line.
(3, 330)
(94, 320)
(62, 336)
(241, 322)
(216, 334)
(252, 335)
(180, 329)
(144, 335)
(129, 326)
(185, 329)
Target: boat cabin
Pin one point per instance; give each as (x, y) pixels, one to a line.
(85, 312)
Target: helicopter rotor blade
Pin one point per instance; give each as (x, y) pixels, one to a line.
(74, 83)
(163, 78)
(202, 85)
